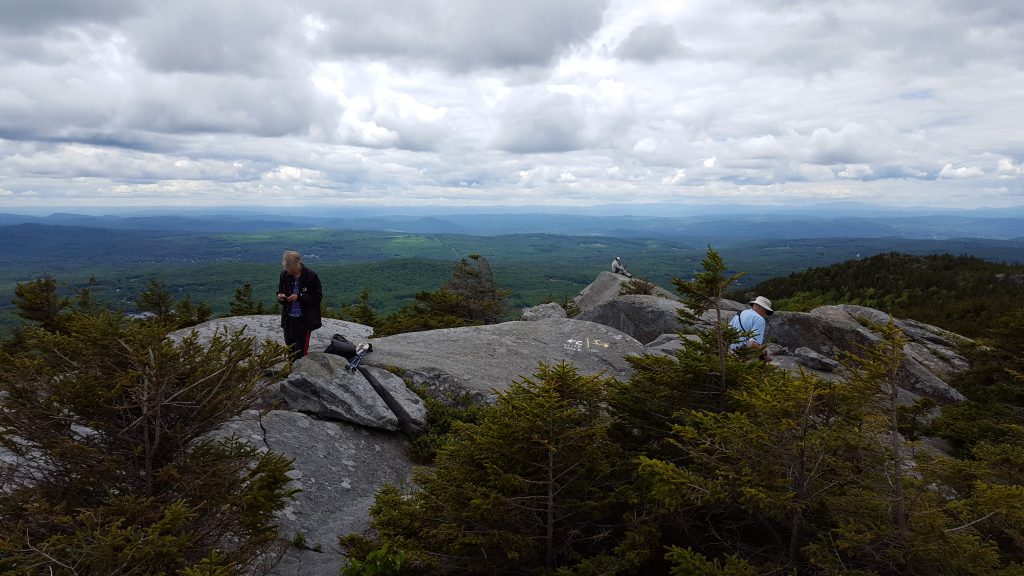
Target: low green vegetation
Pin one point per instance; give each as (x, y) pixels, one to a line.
(112, 464)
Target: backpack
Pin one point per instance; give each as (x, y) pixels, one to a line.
(342, 347)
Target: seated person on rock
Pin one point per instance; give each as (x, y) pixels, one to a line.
(752, 327)
(619, 268)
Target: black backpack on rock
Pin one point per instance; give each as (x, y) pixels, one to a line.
(342, 347)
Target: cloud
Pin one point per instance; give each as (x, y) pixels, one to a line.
(856, 172)
(651, 43)
(31, 17)
(850, 144)
(675, 179)
(460, 35)
(540, 122)
(227, 36)
(489, 102)
(948, 171)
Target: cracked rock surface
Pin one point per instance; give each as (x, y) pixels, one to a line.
(338, 467)
(481, 359)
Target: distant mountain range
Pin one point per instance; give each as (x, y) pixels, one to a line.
(741, 224)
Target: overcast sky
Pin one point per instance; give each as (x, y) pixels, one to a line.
(497, 102)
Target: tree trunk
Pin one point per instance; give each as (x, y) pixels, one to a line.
(549, 552)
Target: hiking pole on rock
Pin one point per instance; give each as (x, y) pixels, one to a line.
(361, 351)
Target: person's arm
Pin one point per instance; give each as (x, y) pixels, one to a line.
(281, 294)
(314, 293)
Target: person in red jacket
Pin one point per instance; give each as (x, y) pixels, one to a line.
(299, 292)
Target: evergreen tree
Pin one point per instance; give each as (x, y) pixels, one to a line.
(703, 296)
(481, 301)
(810, 475)
(532, 484)
(38, 301)
(243, 304)
(84, 301)
(116, 469)
(156, 299)
(188, 314)
(427, 311)
(361, 312)
(994, 391)
(469, 298)
(758, 470)
(885, 520)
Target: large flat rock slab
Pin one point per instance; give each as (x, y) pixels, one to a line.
(268, 327)
(339, 469)
(481, 359)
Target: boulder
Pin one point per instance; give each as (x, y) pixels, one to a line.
(812, 359)
(732, 306)
(404, 403)
(606, 287)
(549, 310)
(478, 360)
(933, 347)
(668, 344)
(338, 468)
(642, 317)
(834, 330)
(646, 317)
(320, 384)
(827, 335)
(791, 363)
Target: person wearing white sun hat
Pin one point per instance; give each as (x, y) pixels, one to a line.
(751, 324)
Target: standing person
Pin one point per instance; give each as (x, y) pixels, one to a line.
(299, 293)
(751, 323)
(619, 268)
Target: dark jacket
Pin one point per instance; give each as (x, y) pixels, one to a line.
(310, 295)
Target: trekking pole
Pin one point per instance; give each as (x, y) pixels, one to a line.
(361, 351)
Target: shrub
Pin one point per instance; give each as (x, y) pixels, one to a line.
(120, 471)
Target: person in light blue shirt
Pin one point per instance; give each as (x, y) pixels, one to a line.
(751, 323)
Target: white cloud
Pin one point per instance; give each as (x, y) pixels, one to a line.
(856, 171)
(1010, 169)
(284, 174)
(490, 102)
(679, 177)
(948, 171)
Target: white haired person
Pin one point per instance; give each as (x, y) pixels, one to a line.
(752, 327)
(299, 293)
(619, 268)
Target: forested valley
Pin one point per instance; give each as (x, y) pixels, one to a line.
(964, 294)
(118, 265)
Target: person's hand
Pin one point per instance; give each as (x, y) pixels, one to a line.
(281, 297)
(293, 297)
